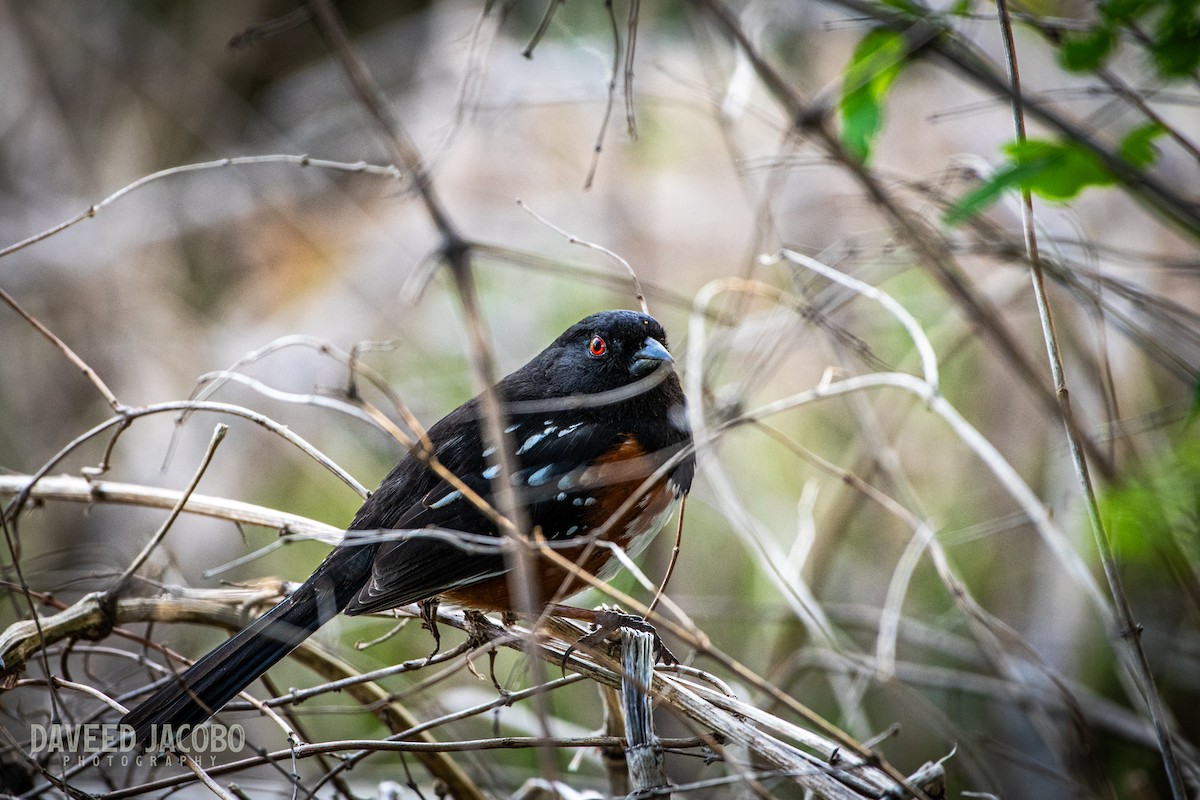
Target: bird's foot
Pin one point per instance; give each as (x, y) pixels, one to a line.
(609, 621)
(429, 609)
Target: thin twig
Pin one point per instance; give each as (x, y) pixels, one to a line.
(199, 771)
(675, 549)
(573, 239)
(129, 414)
(455, 251)
(631, 29)
(299, 160)
(72, 488)
(542, 26)
(610, 96)
(930, 249)
(120, 583)
(1129, 632)
(71, 355)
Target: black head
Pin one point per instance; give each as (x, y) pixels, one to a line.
(599, 353)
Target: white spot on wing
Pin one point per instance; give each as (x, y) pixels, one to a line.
(491, 472)
(447, 500)
(541, 476)
(533, 440)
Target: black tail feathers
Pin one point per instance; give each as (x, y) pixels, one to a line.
(199, 692)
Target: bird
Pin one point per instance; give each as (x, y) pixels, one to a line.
(600, 448)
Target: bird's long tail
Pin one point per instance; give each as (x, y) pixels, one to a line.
(199, 692)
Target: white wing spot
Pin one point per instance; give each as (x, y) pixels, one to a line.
(491, 472)
(540, 477)
(533, 440)
(448, 499)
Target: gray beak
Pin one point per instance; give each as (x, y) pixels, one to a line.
(649, 358)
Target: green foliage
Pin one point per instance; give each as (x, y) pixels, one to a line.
(1160, 510)
(1138, 147)
(1173, 42)
(876, 62)
(1088, 52)
(1176, 44)
(1057, 170)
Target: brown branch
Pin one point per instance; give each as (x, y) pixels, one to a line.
(711, 710)
(93, 617)
(455, 252)
(70, 488)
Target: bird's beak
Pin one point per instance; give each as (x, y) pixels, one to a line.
(649, 358)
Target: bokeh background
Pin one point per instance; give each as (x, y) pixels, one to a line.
(786, 563)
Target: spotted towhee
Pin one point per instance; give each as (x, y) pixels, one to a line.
(600, 450)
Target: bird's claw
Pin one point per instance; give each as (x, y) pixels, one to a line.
(608, 621)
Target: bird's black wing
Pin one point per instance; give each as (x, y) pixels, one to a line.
(550, 461)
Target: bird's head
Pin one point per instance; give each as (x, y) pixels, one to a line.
(604, 352)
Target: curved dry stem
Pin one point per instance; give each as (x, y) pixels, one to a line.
(713, 710)
(134, 565)
(130, 414)
(70, 488)
(279, 158)
(573, 239)
(62, 346)
(995, 634)
(93, 617)
(929, 365)
(963, 430)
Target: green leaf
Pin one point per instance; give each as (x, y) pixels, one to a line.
(1124, 11)
(1087, 52)
(1055, 170)
(1158, 509)
(1176, 42)
(1065, 168)
(989, 192)
(876, 62)
(1138, 147)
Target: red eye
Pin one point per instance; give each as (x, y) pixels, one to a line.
(597, 347)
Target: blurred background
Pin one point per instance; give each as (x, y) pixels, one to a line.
(801, 523)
